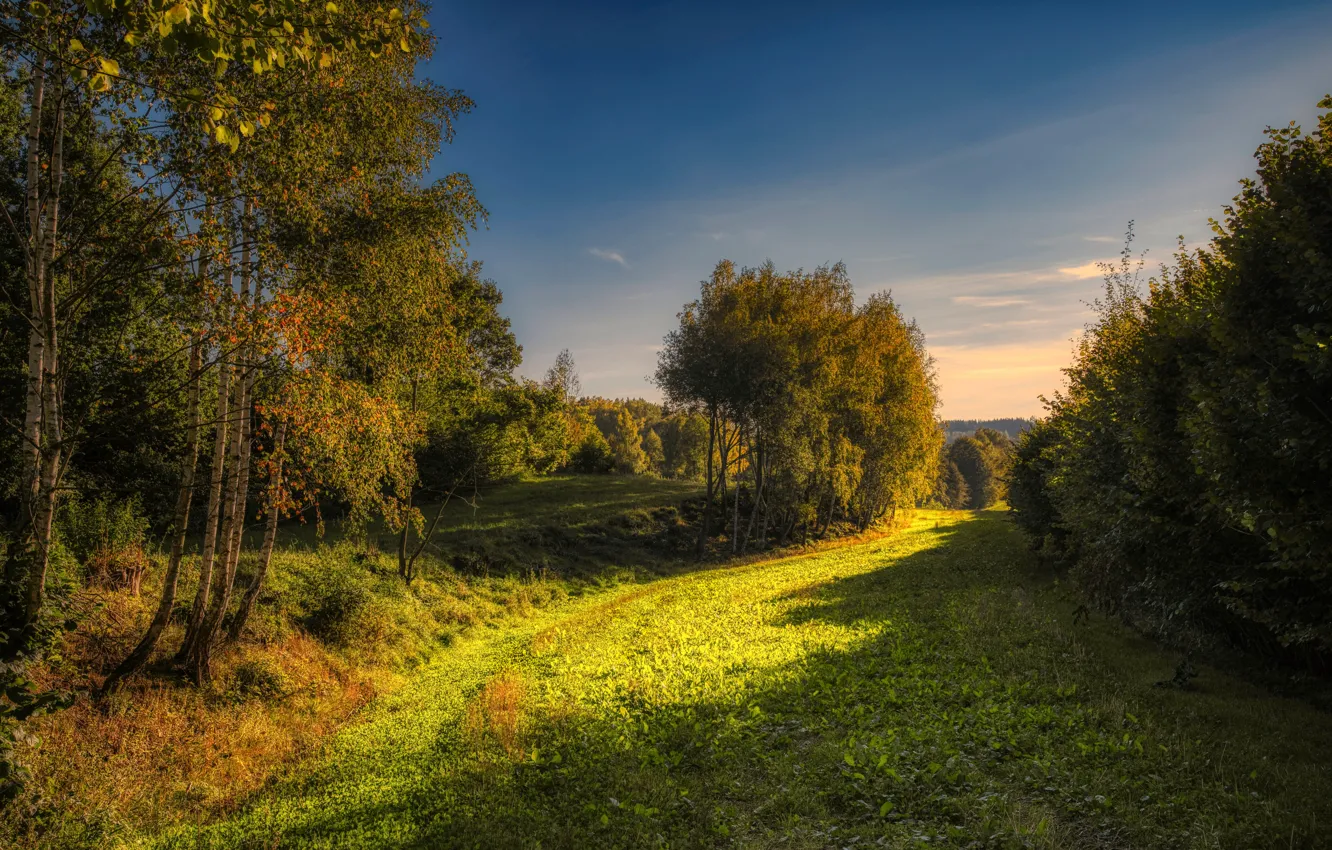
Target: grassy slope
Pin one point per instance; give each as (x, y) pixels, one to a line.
(516, 521)
(334, 628)
(923, 690)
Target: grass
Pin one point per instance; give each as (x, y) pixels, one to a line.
(927, 689)
(568, 522)
(334, 629)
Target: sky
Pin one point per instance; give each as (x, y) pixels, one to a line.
(974, 159)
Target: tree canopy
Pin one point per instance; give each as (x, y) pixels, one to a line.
(1182, 468)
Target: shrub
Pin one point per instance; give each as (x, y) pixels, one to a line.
(593, 455)
(259, 678)
(334, 603)
(1184, 468)
(107, 537)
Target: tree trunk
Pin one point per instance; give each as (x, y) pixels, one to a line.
(36, 273)
(403, 567)
(832, 503)
(757, 466)
(218, 489)
(707, 502)
(25, 569)
(735, 510)
(724, 439)
(180, 522)
(215, 489)
(767, 511)
(233, 521)
(52, 438)
(270, 538)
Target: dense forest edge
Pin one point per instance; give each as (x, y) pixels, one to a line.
(1181, 474)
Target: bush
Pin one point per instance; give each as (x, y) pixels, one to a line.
(259, 678)
(1184, 469)
(334, 604)
(593, 455)
(107, 537)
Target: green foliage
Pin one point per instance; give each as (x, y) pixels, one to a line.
(102, 525)
(259, 678)
(824, 408)
(982, 462)
(684, 445)
(627, 455)
(923, 690)
(952, 491)
(1182, 468)
(593, 454)
(20, 699)
(654, 451)
(336, 599)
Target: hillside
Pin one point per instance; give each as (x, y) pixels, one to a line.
(928, 688)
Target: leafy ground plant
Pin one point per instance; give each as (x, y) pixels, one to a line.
(928, 689)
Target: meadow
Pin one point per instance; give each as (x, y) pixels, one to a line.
(334, 629)
(934, 687)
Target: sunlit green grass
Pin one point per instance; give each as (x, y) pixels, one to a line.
(929, 689)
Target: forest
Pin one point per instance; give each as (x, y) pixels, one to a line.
(1178, 472)
(294, 555)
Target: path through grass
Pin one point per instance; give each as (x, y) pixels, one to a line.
(924, 690)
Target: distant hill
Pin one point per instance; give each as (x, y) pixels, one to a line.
(954, 428)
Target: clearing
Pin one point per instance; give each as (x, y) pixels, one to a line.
(926, 689)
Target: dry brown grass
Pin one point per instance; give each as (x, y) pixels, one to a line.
(495, 714)
(159, 752)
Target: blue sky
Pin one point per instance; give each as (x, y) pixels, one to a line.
(975, 159)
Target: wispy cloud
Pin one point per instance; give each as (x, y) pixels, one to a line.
(989, 301)
(1108, 239)
(1084, 271)
(609, 256)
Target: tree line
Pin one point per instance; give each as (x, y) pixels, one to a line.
(817, 411)
(1183, 468)
(973, 471)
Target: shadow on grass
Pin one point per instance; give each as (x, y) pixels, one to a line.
(956, 712)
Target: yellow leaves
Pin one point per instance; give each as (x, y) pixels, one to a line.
(178, 14)
(286, 25)
(216, 113)
(109, 66)
(76, 46)
(225, 136)
(325, 59)
(331, 8)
